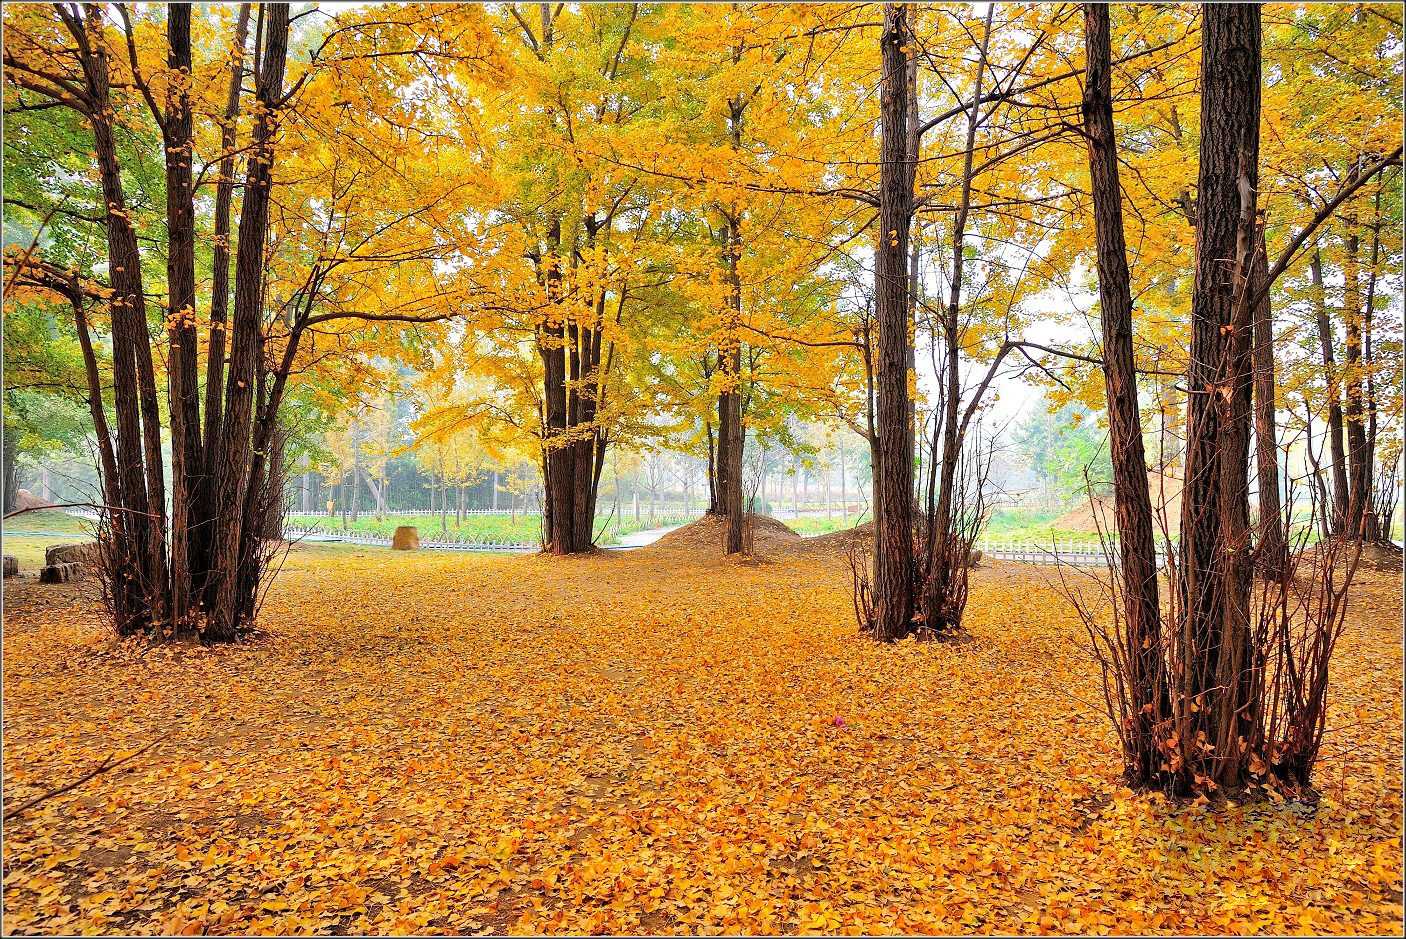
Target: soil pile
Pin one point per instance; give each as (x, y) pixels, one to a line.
(843, 541)
(1090, 515)
(709, 531)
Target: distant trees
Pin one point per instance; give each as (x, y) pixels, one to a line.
(1067, 449)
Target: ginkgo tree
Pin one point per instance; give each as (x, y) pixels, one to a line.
(120, 68)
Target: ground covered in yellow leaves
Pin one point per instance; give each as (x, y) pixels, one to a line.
(654, 741)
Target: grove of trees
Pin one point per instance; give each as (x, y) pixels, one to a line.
(238, 236)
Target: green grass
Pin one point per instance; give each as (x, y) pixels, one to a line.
(812, 525)
(1015, 525)
(26, 536)
(525, 529)
(29, 549)
(1034, 526)
(48, 520)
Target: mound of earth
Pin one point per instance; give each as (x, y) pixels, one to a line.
(844, 540)
(1091, 515)
(708, 533)
(24, 499)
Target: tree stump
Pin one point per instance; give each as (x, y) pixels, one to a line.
(12, 566)
(407, 538)
(87, 553)
(61, 573)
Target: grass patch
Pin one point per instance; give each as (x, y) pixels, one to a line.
(503, 529)
(29, 549)
(48, 521)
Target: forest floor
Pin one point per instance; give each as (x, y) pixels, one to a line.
(650, 741)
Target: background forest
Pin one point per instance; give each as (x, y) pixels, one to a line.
(705, 199)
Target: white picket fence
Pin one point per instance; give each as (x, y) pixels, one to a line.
(301, 533)
(1080, 554)
(1029, 552)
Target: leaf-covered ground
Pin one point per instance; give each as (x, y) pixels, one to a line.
(650, 742)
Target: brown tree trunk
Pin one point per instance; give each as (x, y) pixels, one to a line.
(247, 335)
(940, 552)
(718, 455)
(357, 484)
(558, 461)
(139, 483)
(587, 388)
(1272, 551)
(730, 401)
(893, 486)
(126, 595)
(204, 508)
(1132, 501)
(1359, 472)
(1332, 380)
(1214, 632)
(1375, 527)
(183, 382)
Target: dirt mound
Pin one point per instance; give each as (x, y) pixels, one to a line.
(1090, 515)
(24, 499)
(708, 532)
(1381, 556)
(842, 541)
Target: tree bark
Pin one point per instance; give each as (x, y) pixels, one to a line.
(893, 484)
(1376, 525)
(730, 401)
(939, 554)
(1132, 501)
(204, 506)
(183, 389)
(1214, 631)
(247, 335)
(1332, 381)
(1359, 472)
(559, 460)
(134, 389)
(10, 441)
(1272, 551)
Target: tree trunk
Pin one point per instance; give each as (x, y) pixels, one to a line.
(1332, 381)
(183, 383)
(940, 556)
(140, 484)
(1133, 504)
(1359, 471)
(730, 400)
(893, 537)
(559, 461)
(1214, 632)
(1272, 551)
(11, 440)
(1375, 527)
(205, 503)
(356, 485)
(247, 337)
